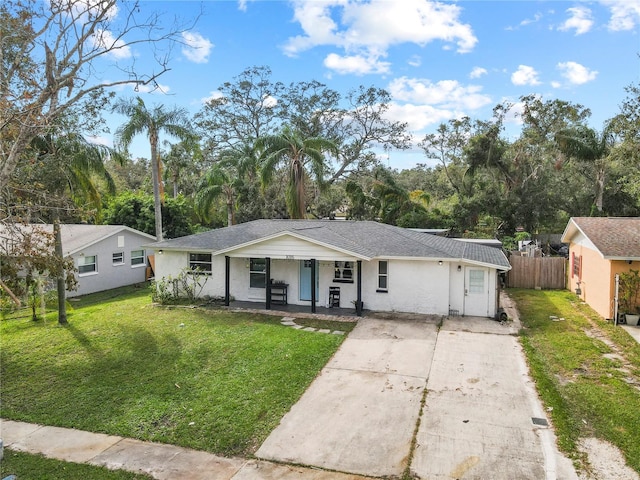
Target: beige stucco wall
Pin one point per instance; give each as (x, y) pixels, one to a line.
(598, 278)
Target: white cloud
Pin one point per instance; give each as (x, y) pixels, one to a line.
(625, 14)
(580, 19)
(575, 73)
(527, 21)
(269, 101)
(555, 84)
(82, 8)
(355, 64)
(525, 75)
(152, 88)
(213, 95)
(449, 94)
(196, 48)
(419, 117)
(366, 30)
(477, 72)
(422, 103)
(415, 61)
(117, 48)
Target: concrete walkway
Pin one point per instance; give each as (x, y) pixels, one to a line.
(162, 462)
(633, 331)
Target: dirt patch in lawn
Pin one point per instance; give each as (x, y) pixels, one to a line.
(605, 461)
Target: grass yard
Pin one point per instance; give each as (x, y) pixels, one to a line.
(586, 370)
(207, 379)
(26, 466)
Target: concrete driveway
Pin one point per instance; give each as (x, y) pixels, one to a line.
(360, 413)
(481, 417)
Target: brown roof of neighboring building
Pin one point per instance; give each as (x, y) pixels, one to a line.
(617, 238)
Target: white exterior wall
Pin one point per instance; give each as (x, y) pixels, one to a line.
(456, 287)
(417, 286)
(108, 275)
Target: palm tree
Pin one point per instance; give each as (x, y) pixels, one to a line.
(153, 122)
(586, 145)
(180, 159)
(69, 165)
(299, 154)
(224, 179)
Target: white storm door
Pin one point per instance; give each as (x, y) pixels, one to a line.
(476, 292)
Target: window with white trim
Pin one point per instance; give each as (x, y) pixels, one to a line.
(200, 263)
(87, 264)
(383, 276)
(117, 258)
(343, 272)
(137, 258)
(257, 272)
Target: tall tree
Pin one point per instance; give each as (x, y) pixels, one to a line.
(592, 149)
(241, 111)
(182, 162)
(48, 56)
(224, 180)
(299, 155)
(152, 122)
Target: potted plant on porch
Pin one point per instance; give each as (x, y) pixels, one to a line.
(628, 292)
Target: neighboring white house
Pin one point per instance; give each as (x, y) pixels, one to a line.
(106, 256)
(374, 266)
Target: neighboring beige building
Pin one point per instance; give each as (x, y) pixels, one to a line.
(599, 248)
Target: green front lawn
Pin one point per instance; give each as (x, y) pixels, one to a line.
(26, 467)
(206, 379)
(586, 370)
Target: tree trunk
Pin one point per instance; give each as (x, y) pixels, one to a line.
(155, 179)
(600, 178)
(175, 185)
(60, 283)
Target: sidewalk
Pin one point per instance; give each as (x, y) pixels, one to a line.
(162, 462)
(633, 331)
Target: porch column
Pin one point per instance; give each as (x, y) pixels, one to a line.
(267, 279)
(313, 285)
(227, 268)
(359, 289)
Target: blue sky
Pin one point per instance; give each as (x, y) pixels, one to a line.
(439, 60)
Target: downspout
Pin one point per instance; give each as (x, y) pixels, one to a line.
(267, 279)
(615, 299)
(359, 290)
(313, 285)
(227, 268)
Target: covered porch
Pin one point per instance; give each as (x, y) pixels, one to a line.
(331, 284)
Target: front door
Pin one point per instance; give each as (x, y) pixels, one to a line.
(476, 292)
(305, 280)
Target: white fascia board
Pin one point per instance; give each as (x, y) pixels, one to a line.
(464, 261)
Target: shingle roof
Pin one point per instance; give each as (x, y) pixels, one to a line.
(614, 237)
(78, 236)
(362, 238)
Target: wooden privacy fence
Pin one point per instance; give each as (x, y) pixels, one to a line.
(537, 272)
